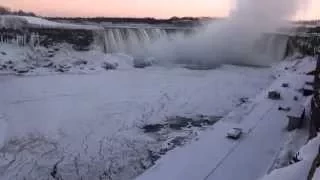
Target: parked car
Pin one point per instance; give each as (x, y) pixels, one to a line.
(234, 133)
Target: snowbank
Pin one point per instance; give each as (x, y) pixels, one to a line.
(300, 170)
(16, 22)
(317, 174)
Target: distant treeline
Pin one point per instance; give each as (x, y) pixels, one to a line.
(174, 20)
(4, 10)
(310, 22)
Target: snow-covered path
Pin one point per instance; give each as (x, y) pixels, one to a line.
(214, 157)
(74, 120)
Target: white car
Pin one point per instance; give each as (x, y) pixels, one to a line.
(234, 133)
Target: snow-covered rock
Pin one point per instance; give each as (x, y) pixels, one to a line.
(60, 58)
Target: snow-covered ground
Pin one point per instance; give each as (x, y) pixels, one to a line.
(87, 123)
(15, 22)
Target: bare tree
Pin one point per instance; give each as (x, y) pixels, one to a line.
(4, 10)
(23, 13)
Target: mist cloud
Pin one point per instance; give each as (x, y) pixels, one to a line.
(232, 40)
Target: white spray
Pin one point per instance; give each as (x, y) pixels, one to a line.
(232, 40)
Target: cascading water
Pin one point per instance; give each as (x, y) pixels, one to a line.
(131, 40)
(277, 46)
(209, 50)
(271, 46)
(128, 40)
(233, 39)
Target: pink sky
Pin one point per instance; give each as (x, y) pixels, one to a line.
(136, 8)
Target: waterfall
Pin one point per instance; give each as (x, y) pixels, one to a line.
(272, 46)
(140, 40)
(277, 46)
(131, 40)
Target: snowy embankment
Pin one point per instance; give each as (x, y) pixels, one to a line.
(258, 151)
(16, 22)
(317, 174)
(88, 126)
(299, 170)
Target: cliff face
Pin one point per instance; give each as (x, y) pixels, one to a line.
(306, 44)
(315, 105)
(311, 46)
(80, 39)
